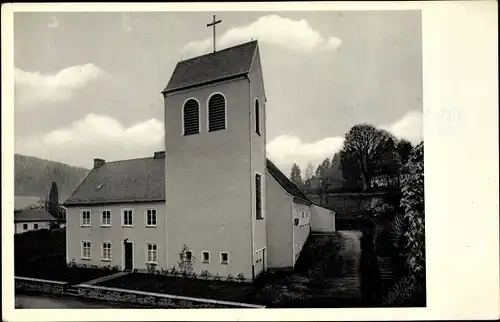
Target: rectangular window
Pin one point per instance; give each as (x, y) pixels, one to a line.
(152, 253)
(258, 197)
(35, 226)
(127, 218)
(189, 255)
(86, 218)
(257, 117)
(224, 258)
(206, 257)
(86, 249)
(106, 251)
(106, 218)
(25, 226)
(151, 217)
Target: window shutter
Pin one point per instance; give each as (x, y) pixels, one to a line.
(191, 117)
(216, 113)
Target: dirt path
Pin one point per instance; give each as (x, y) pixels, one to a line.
(347, 284)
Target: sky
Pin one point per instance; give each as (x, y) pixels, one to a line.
(89, 85)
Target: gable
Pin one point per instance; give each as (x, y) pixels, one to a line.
(286, 184)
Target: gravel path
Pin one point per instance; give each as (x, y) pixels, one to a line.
(53, 302)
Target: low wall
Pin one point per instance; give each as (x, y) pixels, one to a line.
(322, 219)
(27, 285)
(154, 299)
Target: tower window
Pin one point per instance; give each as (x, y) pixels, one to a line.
(191, 116)
(257, 117)
(216, 113)
(258, 197)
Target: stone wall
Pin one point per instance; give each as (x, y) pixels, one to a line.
(29, 285)
(154, 299)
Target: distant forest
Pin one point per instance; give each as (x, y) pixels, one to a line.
(34, 176)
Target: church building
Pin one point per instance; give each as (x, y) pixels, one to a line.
(212, 191)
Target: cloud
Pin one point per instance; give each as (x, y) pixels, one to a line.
(409, 127)
(95, 136)
(295, 35)
(285, 150)
(34, 87)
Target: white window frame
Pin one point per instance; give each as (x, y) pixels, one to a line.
(82, 245)
(82, 222)
(257, 129)
(224, 262)
(123, 217)
(208, 114)
(146, 217)
(102, 218)
(35, 226)
(155, 251)
(203, 257)
(199, 116)
(104, 259)
(191, 257)
(27, 226)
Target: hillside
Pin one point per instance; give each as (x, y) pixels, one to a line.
(33, 177)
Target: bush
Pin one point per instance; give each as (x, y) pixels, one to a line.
(406, 292)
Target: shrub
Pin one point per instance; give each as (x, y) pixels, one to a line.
(174, 271)
(229, 277)
(241, 277)
(151, 267)
(217, 277)
(205, 274)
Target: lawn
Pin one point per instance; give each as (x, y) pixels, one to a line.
(55, 269)
(325, 276)
(217, 290)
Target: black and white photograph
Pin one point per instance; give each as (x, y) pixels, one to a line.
(219, 159)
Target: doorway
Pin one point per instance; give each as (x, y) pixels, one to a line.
(129, 255)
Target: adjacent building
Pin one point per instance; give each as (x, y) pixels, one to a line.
(32, 219)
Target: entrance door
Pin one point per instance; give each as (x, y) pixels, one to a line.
(128, 256)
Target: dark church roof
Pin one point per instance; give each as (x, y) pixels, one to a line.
(143, 180)
(137, 180)
(284, 182)
(31, 215)
(225, 64)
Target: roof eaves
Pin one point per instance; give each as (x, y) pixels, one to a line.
(167, 91)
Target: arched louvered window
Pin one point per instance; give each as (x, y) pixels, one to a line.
(216, 113)
(257, 117)
(191, 116)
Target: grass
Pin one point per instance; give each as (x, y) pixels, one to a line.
(217, 290)
(318, 281)
(55, 269)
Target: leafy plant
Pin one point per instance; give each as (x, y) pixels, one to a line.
(151, 267)
(174, 271)
(72, 263)
(229, 277)
(240, 277)
(205, 274)
(186, 261)
(217, 277)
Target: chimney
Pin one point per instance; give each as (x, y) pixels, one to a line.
(159, 155)
(98, 163)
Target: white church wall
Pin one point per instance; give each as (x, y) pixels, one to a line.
(209, 201)
(115, 233)
(322, 219)
(279, 226)
(258, 164)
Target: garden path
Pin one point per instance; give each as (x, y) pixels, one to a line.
(347, 284)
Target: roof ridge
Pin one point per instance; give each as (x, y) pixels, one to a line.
(218, 51)
(125, 160)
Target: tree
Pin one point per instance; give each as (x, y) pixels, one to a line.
(309, 172)
(365, 146)
(53, 203)
(412, 202)
(335, 176)
(404, 148)
(295, 176)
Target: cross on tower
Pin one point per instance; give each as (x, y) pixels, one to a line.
(212, 24)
